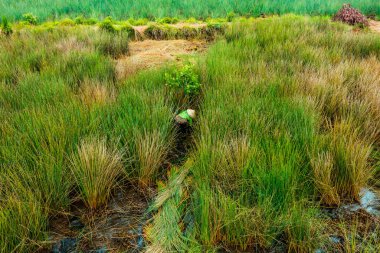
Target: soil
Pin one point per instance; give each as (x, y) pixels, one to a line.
(152, 53)
(116, 228)
(374, 26)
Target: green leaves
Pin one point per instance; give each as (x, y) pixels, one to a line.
(184, 79)
(30, 18)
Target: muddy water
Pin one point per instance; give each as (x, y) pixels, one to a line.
(369, 202)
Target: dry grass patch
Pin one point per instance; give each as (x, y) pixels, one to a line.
(150, 54)
(341, 164)
(96, 93)
(374, 26)
(71, 44)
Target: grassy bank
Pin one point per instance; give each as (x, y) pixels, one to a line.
(48, 9)
(289, 121)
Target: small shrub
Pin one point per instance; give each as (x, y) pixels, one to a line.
(185, 80)
(90, 21)
(107, 25)
(351, 16)
(30, 18)
(6, 27)
(79, 20)
(67, 22)
(96, 168)
(230, 16)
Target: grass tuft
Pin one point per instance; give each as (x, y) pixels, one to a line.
(96, 169)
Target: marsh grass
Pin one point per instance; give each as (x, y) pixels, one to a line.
(61, 112)
(366, 241)
(288, 119)
(47, 9)
(23, 220)
(22, 224)
(286, 122)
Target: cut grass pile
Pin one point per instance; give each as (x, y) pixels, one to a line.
(289, 120)
(121, 9)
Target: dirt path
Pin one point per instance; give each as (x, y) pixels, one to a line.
(374, 26)
(152, 53)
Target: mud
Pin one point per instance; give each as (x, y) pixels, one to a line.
(118, 227)
(362, 217)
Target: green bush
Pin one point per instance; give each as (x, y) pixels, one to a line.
(185, 80)
(90, 21)
(79, 20)
(231, 16)
(6, 27)
(30, 18)
(107, 25)
(67, 22)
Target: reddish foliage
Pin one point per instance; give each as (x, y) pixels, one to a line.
(350, 16)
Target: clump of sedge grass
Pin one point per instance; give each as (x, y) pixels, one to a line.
(112, 44)
(151, 152)
(95, 168)
(107, 25)
(6, 27)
